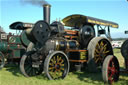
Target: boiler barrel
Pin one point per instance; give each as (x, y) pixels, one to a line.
(66, 44)
(61, 44)
(3, 46)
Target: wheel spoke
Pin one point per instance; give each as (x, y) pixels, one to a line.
(97, 59)
(29, 71)
(109, 68)
(105, 46)
(62, 69)
(27, 67)
(57, 60)
(97, 51)
(98, 46)
(62, 61)
(34, 71)
(101, 47)
(61, 65)
(110, 77)
(51, 68)
(52, 60)
(51, 64)
(105, 52)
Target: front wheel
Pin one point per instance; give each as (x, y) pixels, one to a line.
(56, 65)
(2, 62)
(27, 66)
(110, 69)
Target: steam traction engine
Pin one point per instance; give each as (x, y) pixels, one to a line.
(13, 46)
(56, 50)
(124, 52)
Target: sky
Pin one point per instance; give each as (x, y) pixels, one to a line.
(110, 10)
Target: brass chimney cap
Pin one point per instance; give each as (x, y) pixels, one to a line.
(45, 5)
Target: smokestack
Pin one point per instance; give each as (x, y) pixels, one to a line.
(47, 9)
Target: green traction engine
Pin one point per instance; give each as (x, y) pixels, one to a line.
(13, 46)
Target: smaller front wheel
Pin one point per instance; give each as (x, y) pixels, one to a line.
(28, 67)
(2, 62)
(110, 69)
(56, 65)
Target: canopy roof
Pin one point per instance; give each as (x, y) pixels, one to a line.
(21, 25)
(78, 20)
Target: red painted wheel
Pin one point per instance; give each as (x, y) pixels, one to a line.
(110, 69)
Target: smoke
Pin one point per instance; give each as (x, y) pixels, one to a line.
(34, 2)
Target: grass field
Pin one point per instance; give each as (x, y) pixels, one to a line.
(10, 75)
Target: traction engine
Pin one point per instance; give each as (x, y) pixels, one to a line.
(56, 50)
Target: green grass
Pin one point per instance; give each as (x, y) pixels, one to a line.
(11, 75)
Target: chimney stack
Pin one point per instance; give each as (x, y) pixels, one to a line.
(47, 9)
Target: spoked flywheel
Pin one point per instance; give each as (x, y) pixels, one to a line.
(56, 65)
(2, 62)
(98, 49)
(30, 67)
(110, 69)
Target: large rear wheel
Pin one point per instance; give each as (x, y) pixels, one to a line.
(56, 65)
(98, 49)
(110, 69)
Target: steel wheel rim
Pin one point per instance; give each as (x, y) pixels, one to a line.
(101, 51)
(1, 60)
(29, 69)
(58, 66)
(113, 71)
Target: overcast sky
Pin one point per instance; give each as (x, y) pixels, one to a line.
(111, 10)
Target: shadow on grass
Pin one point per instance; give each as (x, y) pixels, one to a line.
(42, 76)
(95, 78)
(14, 69)
(123, 78)
(124, 74)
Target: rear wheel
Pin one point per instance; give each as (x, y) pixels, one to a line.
(110, 69)
(2, 62)
(28, 67)
(56, 65)
(98, 49)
